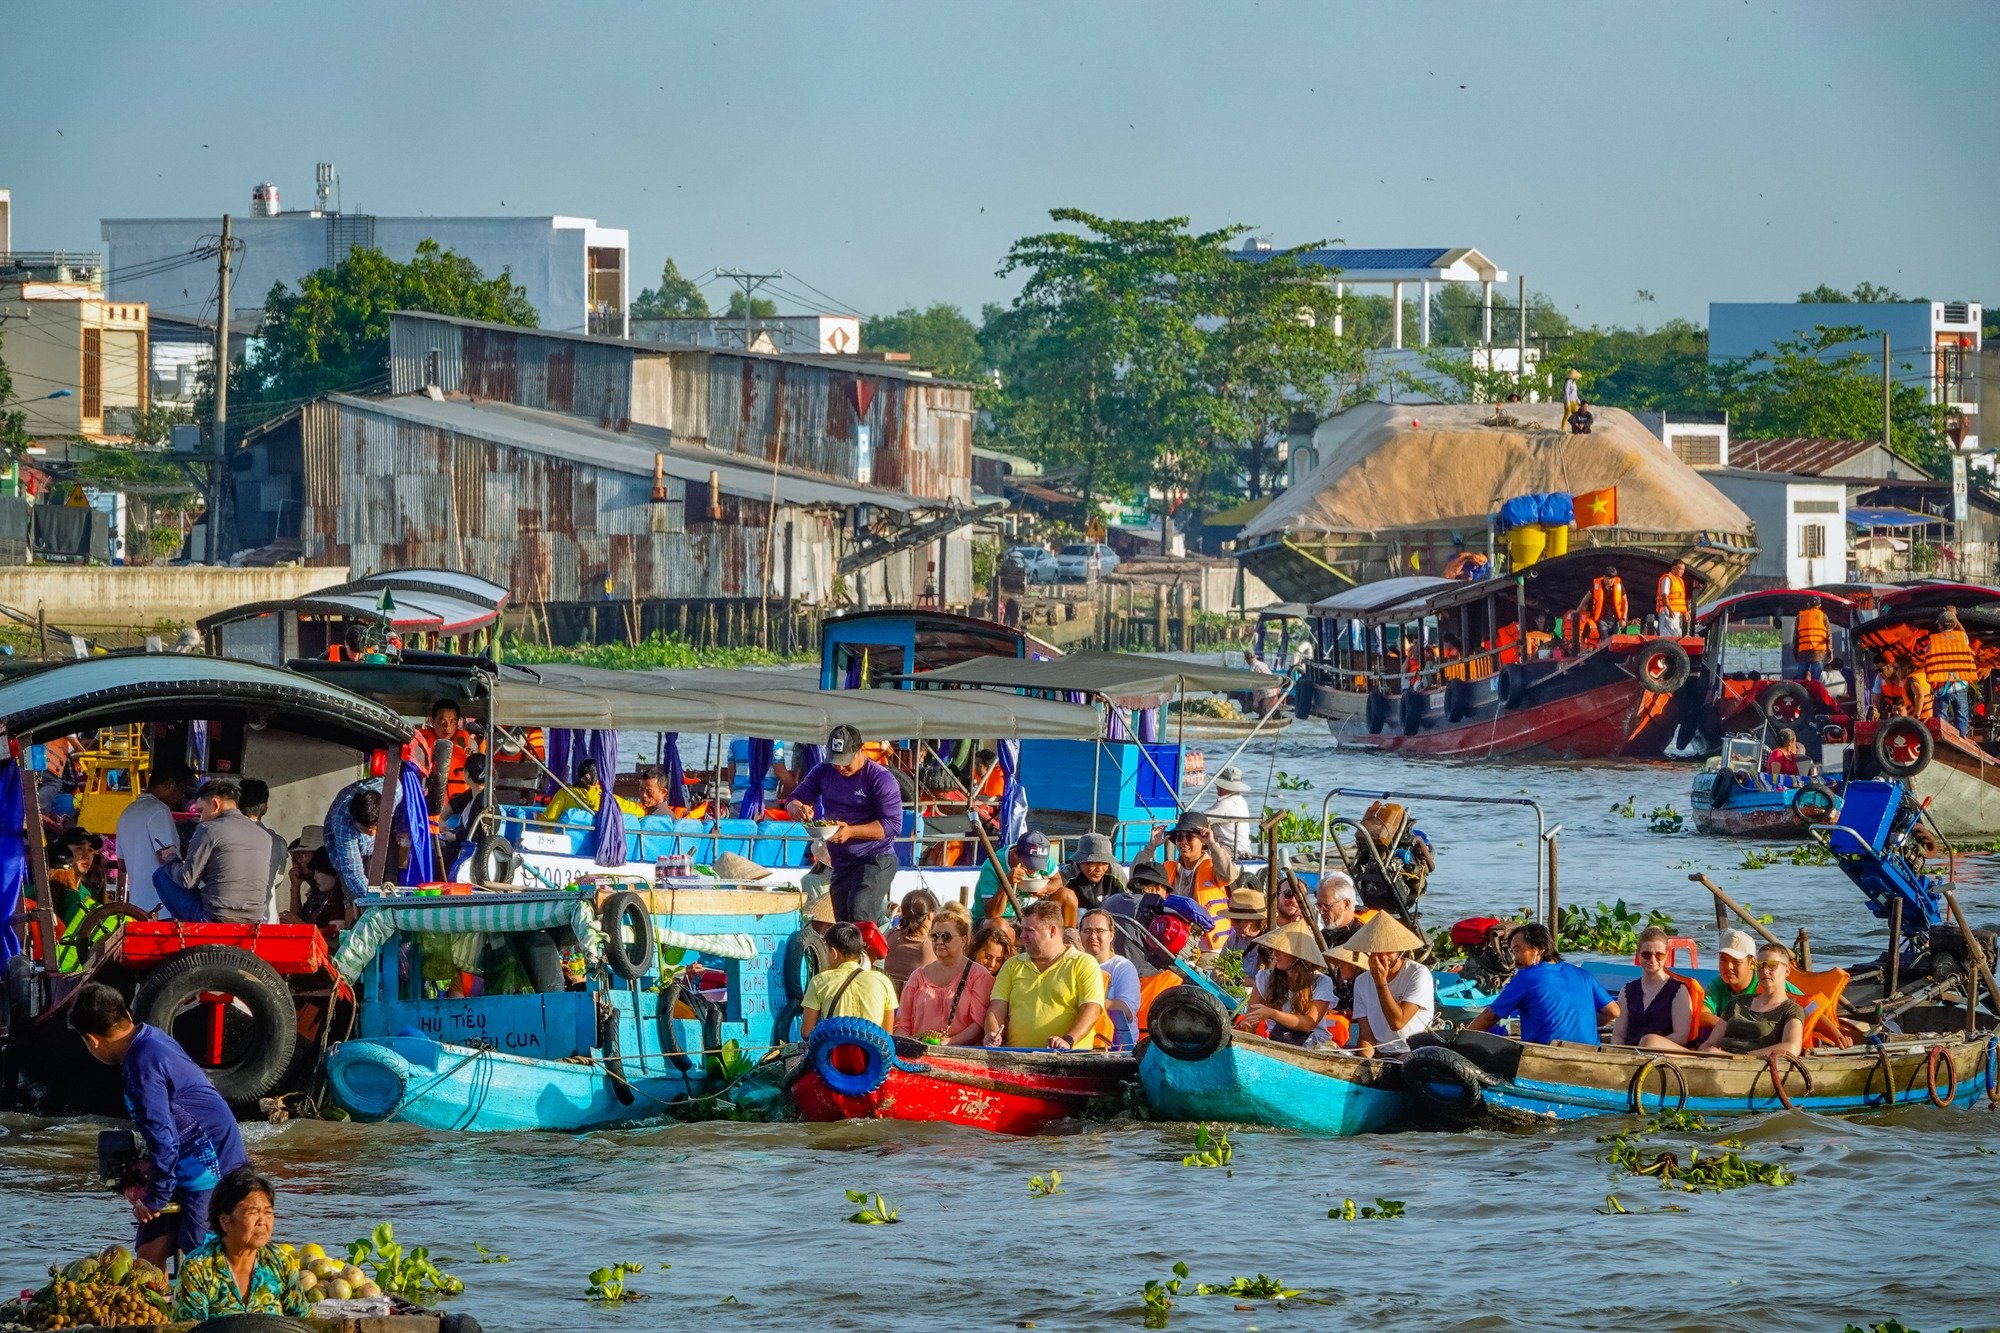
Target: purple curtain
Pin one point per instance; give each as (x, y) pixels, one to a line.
(13, 854)
(853, 679)
(1114, 727)
(413, 820)
(670, 767)
(561, 742)
(1013, 797)
(759, 764)
(610, 825)
(1149, 726)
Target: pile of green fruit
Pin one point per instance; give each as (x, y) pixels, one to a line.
(327, 1279)
(112, 1288)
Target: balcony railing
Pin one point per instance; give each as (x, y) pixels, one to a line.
(52, 266)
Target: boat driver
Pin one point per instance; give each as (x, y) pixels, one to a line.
(864, 803)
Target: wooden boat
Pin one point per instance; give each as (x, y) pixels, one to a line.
(1733, 796)
(1955, 776)
(1481, 1077)
(850, 1069)
(1740, 696)
(1488, 677)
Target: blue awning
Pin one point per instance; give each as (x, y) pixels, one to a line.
(1860, 517)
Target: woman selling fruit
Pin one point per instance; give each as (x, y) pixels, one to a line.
(238, 1270)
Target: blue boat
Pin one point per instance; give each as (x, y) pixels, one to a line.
(1195, 1066)
(607, 1005)
(1732, 795)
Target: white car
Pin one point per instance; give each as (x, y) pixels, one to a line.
(1034, 561)
(1074, 561)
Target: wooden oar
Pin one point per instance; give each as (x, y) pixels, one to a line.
(1737, 908)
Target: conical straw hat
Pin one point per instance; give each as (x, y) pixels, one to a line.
(1384, 934)
(1296, 939)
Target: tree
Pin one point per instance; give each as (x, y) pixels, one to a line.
(333, 334)
(13, 423)
(1864, 293)
(761, 307)
(1807, 387)
(940, 337)
(675, 298)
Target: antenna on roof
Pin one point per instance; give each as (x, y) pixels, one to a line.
(323, 183)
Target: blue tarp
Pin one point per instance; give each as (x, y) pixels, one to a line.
(1557, 508)
(413, 821)
(1860, 517)
(1013, 796)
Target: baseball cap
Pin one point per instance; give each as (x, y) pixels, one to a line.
(1737, 944)
(1033, 848)
(842, 742)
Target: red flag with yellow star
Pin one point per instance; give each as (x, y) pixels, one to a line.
(1597, 509)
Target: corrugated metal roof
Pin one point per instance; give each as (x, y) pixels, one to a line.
(1361, 261)
(883, 369)
(574, 441)
(1803, 455)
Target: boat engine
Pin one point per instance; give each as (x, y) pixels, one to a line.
(1392, 861)
(1881, 842)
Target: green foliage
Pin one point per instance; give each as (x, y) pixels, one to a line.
(1758, 858)
(1211, 1148)
(655, 652)
(875, 1210)
(333, 333)
(13, 421)
(1295, 825)
(1629, 807)
(1382, 1210)
(410, 1274)
(607, 1284)
(985, 562)
(939, 336)
(1805, 387)
(1631, 1153)
(1258, 1288)
(675, 298)
(487, 1256)
(1613, 1208)
(1286, 782)
(1226, 970)
(1864, 293)
(1042, 1187)
(1159, 1296)
(761, 307)
(1665, 819)
(1601, 929)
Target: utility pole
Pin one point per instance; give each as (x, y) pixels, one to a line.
(1521, 352)
(218, 464)
(749, 283)
(1888, 420)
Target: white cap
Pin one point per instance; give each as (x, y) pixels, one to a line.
(1737, 944)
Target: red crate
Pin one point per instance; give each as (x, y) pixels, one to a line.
(291, 950)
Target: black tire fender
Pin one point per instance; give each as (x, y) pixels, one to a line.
(17, 999)
(1512, 685)
(494, 860)
(1378, 712)
(1448, 1083)
(1785, 702)
(629, 940)
(1458, 702)
(1187, 1023)
(1664, 666)
(1903, 747)
(804, 957)
(1415, 710)
(255, 985)
(1724, 788)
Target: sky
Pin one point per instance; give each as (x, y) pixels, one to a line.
(1634, 161)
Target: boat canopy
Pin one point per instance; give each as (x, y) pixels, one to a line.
(1935, 596)
(510, 914)
(1777, 602)
(1351, 603)
(1119, 677)
(171, 687)
(1564, 581)
(464, 587)
(1904, 630)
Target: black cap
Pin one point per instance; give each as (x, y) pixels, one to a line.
(1148, 872)
(843, 742)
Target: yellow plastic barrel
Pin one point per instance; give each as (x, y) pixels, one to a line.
(1525, 545)
(1558, 540)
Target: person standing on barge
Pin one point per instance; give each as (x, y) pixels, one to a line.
(865, 804)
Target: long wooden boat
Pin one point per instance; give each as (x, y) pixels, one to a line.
(1450, 669)
(1732, 797)
(1482, 1077)
(850, 1069)
(1250, 1080)
(1955, 776)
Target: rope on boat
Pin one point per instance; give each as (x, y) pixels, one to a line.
(410, 1095)
(1888, 1072)
(1778, 1079)
(1993, 1073)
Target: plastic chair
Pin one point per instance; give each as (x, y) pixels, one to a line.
(1676, 945)
(1820, 993)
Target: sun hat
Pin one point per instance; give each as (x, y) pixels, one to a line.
(729, 865)
(1340, 953)
(1191, 821)
(1294, 938)
(1093, 847)
(1384, 934)
(1576, 374)
(311, 838)
(1737, 944)
(1246, 904)
(1148, 872)
(1231, 780)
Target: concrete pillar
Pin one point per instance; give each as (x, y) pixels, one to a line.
(1339, 291)
(1396, 301)
(1424, 319)
(1486, 314)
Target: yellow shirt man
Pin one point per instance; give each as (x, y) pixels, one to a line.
(586, 798)
(872, 995)
(1040, 1004)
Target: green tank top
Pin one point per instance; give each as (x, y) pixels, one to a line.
(1747, 1029)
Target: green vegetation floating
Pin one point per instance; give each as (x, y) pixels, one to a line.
(656, 652)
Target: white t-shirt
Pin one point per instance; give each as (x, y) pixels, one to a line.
(1412, 985)
(146, 825)
(1323, 991)
(1236, 832)
(1121, 982)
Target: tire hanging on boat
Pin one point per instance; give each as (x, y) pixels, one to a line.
(1903, 747)
(878, 1054)
(1416, 709)
(629, 957)
(1447, 1082)
(494, 861)
(247, 981)
(1187, 1023)
(1458, 704)
(1785, 702)
(1723, 787)
(805, 957)
(1664, 666)
(1512, 685)
(1378, 712)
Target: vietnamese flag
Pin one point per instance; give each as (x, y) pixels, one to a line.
(1597, 509)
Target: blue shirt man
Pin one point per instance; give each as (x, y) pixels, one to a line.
(1555, 1001)
(191, 1137)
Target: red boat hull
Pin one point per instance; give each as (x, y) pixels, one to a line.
(1007, 1092)
(1616, 719)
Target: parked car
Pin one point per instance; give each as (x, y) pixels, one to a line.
(1036, 562)
(1073, 564)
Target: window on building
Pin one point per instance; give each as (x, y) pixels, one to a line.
(93, 373)
(864, 454)
(1815, 506)
(1699, 450)
(1812, 541)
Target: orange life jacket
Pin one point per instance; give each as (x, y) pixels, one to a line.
(1810, 635)
(1673, 595)
(1150, 987)
(1509, 640)
(423, 749)
(1607, 598)
(1948, 656)
(1212, 896)
(1910, 696)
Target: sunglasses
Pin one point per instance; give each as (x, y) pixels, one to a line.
(1765, 963)
(942, 937)
(1652, 953)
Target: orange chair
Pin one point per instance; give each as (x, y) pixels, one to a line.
(1820, 993)
(1699, 1019)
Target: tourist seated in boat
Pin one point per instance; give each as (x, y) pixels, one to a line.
(910, 939)
(1787, 757)
(993, 943)
(1764, 1020)
(1092, 873)
(1048, 995)
(1015, 878)
(1231, 825)
(1291, 996)
(1338, 904)
(230, 868)
(440, 748)
(1118, 1028)
(1395, 999)
(945, 1000)
(1736, 976)
(1247, 914)
(1901, 688)
(864, 803)
(654, 798)
(584, 792)
(76, 873)
(850, 988)
(237, 1270)
(1344, 967)
(1554, 1001)
(1656, 1009)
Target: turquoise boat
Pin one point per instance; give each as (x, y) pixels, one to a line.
(1195, 1066)
(614, 1003)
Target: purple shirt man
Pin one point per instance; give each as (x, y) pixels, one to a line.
(862, 799)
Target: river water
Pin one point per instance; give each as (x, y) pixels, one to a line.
(1892, 1215)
